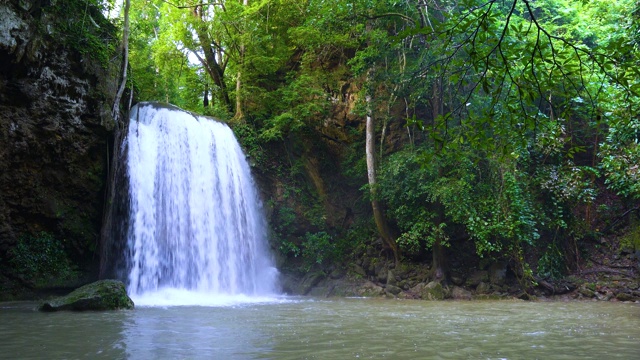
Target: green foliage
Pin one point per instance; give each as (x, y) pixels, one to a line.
(315, 249)
(251, 142)
(160, 69)
(284, 219)
(300, 102)
(432, 201)
(517, 109)
(621, 157)
(551, 264)
(85, 29)
(289, 248)
(631, 240)
(318, 248)
(321, 249)
(41, 259)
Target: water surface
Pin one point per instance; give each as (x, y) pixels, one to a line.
(328, 329)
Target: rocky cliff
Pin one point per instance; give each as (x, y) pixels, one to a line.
(55, 124)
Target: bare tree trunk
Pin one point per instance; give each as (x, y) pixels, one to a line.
(239, 115)
(205, 98)
(370, 149)
(115, 112)
(438, 260)
(439, 272)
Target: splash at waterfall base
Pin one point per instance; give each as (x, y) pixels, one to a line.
(195, 230)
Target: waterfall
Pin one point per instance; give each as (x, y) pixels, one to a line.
(196, 222)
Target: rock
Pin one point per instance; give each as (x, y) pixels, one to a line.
(381, 272)
(477, 277)
(484, 263)
(483, 288)
(585, 291)
(457, 279)
(433, 291)
(459, 293)
(526, 296)
(391, 278)
(309, 282)
(393, 289)
(288, 283)
(498, 273)
(627, 249)
(622, 296)
(370, 289)
(337, 273)
(320, 291)
(369, 266)
(606, 296)
(359, 270)
(343, 288)
(100, 295)
(371, 251)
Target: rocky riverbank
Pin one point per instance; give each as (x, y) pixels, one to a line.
(610, 272)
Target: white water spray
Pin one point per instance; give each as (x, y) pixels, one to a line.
(196, 224)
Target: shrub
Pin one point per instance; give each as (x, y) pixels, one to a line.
(41, 259)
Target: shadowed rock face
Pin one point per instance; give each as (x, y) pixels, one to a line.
(54, 131)
(98, 296)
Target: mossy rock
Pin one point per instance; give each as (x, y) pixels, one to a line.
(630, 242)
(100, 295)
(433, 291)
(369, 289)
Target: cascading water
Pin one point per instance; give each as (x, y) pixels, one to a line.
(196, 224)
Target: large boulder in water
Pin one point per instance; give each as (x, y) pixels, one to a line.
(100, 295)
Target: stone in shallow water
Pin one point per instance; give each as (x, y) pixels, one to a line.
(100, 295)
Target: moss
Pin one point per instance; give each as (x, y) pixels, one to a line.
(631, 240)
(85, 30)
(41, 260)
(433, 291)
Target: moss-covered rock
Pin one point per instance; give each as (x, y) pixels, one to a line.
(431, 291)
(100, 295)
(370, 289)
(459, 293)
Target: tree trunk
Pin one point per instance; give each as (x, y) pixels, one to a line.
(239, 115)
(115, 112)
(439, 267)
(378, 212)
(210, 62)
(205, 98)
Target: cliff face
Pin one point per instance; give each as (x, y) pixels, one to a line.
(54, 127)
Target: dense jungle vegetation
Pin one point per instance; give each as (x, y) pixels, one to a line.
(508, 128)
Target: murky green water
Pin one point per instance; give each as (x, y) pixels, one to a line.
(329, 329)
